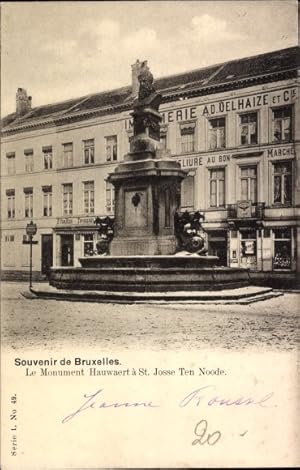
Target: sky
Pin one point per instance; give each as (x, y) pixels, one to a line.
(61, 50)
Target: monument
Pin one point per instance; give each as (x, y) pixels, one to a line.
(138, 253)
(147, 183)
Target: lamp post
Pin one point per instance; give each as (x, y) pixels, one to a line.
(31, 230)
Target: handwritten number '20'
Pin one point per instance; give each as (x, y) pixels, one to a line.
(205, 437)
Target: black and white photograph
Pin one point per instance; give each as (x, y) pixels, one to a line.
(150, 236)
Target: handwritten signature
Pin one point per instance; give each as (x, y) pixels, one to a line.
(92, 402)
(197, 398)
(200, 396)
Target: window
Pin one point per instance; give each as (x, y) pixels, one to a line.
(28, 154)
(88, 197)
(111, 148)
(9, 251)
(248, 129)
(28, 193)
(88, 244)
(67, 199)
(282, 183)
(282, 124)
(248, 249)
(187, 192)
(9, 238)
(217, 187)
(88, 150)
(110, 197)
(67, 157)
(187, 134)
(282, 249)
(10, 194)
(48, 158)
(217, 133)
(249, 183)
(47, 201)
(11, 163)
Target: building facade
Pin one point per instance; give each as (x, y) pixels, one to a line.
(234, 127)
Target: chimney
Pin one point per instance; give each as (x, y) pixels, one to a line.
(136, 68)
(23, 102)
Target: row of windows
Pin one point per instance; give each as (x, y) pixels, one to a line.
(248, 130)
(67, 155)
(248, 135)
(281, 188)
(67, 200)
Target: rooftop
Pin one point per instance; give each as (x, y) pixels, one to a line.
(233, 74)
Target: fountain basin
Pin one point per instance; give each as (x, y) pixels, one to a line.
(149, 274)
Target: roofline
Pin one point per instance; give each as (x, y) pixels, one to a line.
(51, 119)
(89, 95)
(219, 64)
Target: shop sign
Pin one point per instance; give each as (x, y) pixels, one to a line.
(243, 209)
(183, 114)
(275, 152)
(218, 159)
(175, 115)
(190, 162)
(245, 103)
(76, 220)
(86, 220)
(66, 221)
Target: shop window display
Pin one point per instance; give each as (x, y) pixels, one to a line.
(282, 249)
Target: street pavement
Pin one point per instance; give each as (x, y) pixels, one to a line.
(270, 325)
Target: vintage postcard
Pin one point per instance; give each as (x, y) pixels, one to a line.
(150, 234)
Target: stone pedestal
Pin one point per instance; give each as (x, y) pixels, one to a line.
(147, 194)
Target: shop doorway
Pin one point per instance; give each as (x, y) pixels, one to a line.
(217, 245)
(47, 254)
(67, 250)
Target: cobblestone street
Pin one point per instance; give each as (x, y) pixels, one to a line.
(28, 324)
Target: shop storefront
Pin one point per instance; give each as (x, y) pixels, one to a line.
(263, 249)
(74, 237)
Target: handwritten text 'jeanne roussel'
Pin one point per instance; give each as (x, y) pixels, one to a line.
(206, 396)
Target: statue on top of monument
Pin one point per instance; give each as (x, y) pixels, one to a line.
(147, 95)
(145, 78)
(146, 117)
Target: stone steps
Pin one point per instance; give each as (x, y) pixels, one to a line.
(244, 295)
